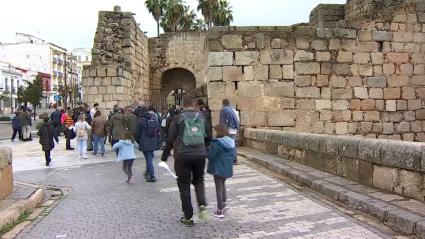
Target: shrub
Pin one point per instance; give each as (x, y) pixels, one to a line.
(5, 118)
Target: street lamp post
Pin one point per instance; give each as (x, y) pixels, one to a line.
(11, 95)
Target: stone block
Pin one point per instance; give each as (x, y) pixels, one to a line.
(397, 81)
(414, 104)
(261, 72)
(349, 147)
(220, 58)
(279, 89)
(420, 114)
(325, 68)
(215, 74)
(310, 68)
(288, 72)
(355, 81)
(303, 80)
(247, 58)
(342, 94)
(361, 58)
(322, 80)
(304, 104)
(232, 41)
(245, 89)
(341, 128)
(307, 92)
(401, 105)
(388, 69)
(377, 58)
(323, 104)
(358, 116)
(365, 70)
(378, 82)
(377, 128)
(371, 116)
(361, 93)
(398, 58)
(323, 56)
(283, 118)
(341, 69)
(340, 105)
(406, 69)
(384, 177)
(368, 104)
(376, 93)
(276, 43)
(344, 57)
(390, 105)
(405, 155)
(403, 36)
(319, 45)
(232, 73)
(338, 82)
(403, 127)
(302, 55)
(382, 36)
(249, 73)
(276, 57)
(364, 35)
(275, 72)
(367, 47)
(392, 93)
(325, 93)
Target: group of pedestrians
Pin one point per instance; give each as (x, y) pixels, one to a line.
(21, 125)
(186, 131)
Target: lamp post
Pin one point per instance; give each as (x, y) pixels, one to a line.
(11, 95)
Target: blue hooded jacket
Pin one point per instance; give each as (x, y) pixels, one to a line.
(221, 154)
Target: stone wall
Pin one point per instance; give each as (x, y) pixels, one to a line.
(187, 50)
(366, 81)
(6, 174)
(327, 15)
(119, 72)
(394, 166)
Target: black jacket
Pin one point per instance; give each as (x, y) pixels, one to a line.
(174, 139)
(56, 117)
(47, 133)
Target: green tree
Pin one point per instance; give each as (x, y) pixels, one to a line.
(34, 92)
(174, 13)
(223, 14)
(199, 25)
(207, 8)
(187, 20)
(21, 97)
(4, 96)
(156, 8)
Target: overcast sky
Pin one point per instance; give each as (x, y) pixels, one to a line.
(72, 24)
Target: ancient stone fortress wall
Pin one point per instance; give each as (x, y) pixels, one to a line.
(119, 72)
(365, 79)
(187, 50)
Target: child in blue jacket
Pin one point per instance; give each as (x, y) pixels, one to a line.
(221, 154)
(126, 153)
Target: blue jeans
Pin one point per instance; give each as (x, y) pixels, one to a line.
(82, 147)
(96, 141)
(235, 137)
(149, 155)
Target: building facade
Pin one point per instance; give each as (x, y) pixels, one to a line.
(82, 58)
(11, 78)
(35, 55)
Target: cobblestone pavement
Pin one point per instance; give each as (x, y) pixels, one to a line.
(102, 205)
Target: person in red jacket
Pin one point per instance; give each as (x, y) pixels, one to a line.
(68, 123)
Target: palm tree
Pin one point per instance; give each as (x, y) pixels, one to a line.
(156, 8)
(188, 19)
(223, 14)
(174, 13)
(207, 9)
(199, 25)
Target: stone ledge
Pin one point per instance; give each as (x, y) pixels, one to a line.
(397, 154)
(398, 218)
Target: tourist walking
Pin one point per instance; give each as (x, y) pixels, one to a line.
(117, 126)
(229, 117)
(188, 135)
(131, 119)
(147, 136)
(93, 110)
(68, 124)
(125, 153)
(205, 110)
(26, 122)
(81, 129)
(98, 127)
(220, 164)
(55, 117)
(47, 133)
(16, 126)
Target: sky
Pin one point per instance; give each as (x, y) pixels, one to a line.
(72, 24)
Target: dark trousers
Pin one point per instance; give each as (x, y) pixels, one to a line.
(47, 156)
(17, 131)
(68, 134)
(126, 166)
(58, 129)
(235, 137)
(114, 141)
(149, 156)
(220, 189)
(190, 171)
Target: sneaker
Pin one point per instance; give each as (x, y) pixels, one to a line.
(219, 213)
(203, 213)
(80, 157)
(226, 208)
(85, 157)
(187, 222)
(151, 180)
(145, 174)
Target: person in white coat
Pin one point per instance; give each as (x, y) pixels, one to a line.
(81, 130)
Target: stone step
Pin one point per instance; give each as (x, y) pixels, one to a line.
(401, 214)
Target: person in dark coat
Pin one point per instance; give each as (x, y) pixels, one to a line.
(47, 133)
(55, 117)
(131, 120)
(16, 126)
(147, 136)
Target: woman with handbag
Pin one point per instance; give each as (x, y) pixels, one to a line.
(82, 129)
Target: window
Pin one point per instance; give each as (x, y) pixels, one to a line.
(79, 58)
(87, 58)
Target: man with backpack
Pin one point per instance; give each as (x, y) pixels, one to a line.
(188, 135)
(117, 126)
(229, 117)
(147, 136)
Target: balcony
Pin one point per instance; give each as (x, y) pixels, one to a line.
(60, 62)
(55, 74)
(60, 75)
(55, 61)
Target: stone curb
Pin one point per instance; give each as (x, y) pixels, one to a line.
(12, 213)
(397, 218)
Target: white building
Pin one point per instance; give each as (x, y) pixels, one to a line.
(83, 58)
(34, 54)
(10, 80)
